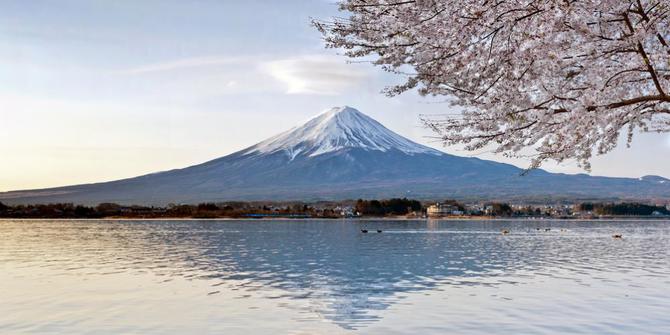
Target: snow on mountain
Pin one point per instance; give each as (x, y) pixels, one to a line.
(335, 129)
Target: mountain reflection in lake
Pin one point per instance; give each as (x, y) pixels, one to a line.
(327, 277)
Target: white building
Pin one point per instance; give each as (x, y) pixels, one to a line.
(439, 209)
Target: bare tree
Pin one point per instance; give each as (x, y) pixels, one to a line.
(563, 77)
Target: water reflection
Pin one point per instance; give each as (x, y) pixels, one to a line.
(344, 276)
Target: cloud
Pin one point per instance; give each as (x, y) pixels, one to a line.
(312, 74)
(187, 63)
(217, 75)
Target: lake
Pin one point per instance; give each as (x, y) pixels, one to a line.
(326, 277)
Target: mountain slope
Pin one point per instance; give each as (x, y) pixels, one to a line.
(341, 154)
(336, 129)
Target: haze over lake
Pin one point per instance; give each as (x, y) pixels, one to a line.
(312, 276)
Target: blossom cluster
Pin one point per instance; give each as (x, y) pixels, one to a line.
(562, 77)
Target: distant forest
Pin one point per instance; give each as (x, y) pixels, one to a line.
(387, 207)
(360, 208)
(623, 209)
(215, 210)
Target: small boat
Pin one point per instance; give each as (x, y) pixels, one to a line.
(364, 231)
(379, 230)
(505, 232)
(617, 236)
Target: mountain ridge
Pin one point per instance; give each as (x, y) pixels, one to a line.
(342, 154)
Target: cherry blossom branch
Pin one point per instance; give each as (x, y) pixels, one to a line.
(563, 78)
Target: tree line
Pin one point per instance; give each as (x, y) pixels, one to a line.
(215, 210)
(361, 207)
(623, 209)
(386, 207)
(202, 210)
(394, 206)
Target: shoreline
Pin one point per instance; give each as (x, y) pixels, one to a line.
(609, 219)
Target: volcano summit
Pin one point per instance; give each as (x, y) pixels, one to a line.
(342, 154)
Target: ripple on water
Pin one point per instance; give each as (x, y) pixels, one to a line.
(327, 277)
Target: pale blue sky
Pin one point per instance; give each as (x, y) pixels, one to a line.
(100, 90)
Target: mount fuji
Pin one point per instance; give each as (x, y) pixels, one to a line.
(343, 154)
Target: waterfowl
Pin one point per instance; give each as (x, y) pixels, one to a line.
(505, 231)
(617, 236)
(547, 229)
(364, 231)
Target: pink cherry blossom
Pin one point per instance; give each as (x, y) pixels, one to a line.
(562, 77)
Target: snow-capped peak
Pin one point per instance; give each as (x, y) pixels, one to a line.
(335, 129)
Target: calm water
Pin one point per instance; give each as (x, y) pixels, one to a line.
(325, 277)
